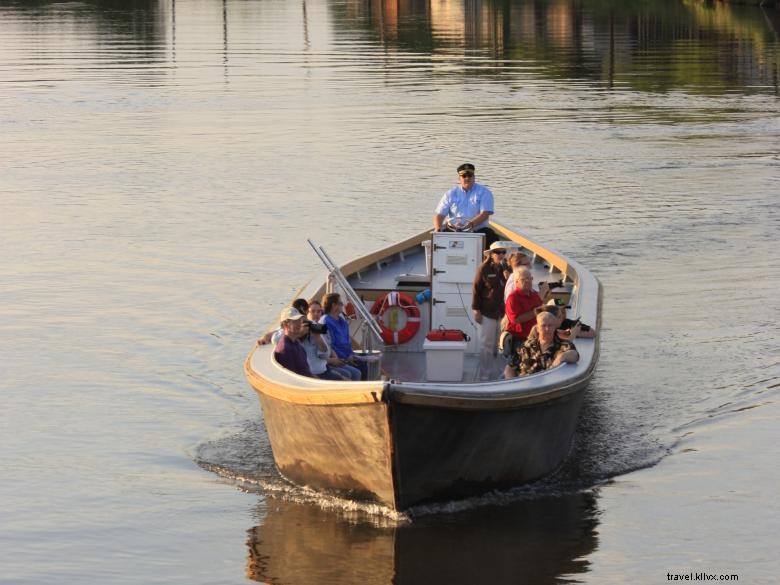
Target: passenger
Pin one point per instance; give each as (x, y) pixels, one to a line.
(318, 351)
(488, 305)
(289, 352)
(544, 351)
(568, 328)
(329, 359)
(338, 332)
(302, 305)
(520, 307)
(516, 261)
(553, 309)
(468, 202)
(274, 336)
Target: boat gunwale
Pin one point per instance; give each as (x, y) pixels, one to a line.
(312, 391)
(286, 385)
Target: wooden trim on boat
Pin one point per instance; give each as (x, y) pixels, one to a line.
(313, 391)
(377, 255)
(551, 256)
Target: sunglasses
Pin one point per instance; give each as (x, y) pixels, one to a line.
(466, 174)
(502, 252)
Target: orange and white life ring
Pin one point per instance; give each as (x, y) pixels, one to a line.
(388, 308)
(349, 310)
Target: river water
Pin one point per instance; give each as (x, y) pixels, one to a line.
(162, 164)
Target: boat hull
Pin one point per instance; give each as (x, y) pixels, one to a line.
(444, 454)
(342, 449)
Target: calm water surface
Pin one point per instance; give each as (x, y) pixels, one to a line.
(161, 166)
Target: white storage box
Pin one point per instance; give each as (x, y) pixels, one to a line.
(444, 360)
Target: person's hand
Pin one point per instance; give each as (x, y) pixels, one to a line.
(477, 316)
(569, 356)
(574, 331)
(544, 290)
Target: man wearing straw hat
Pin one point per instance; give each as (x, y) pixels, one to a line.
(488, 305)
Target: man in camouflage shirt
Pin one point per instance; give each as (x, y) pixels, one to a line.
(546, 350)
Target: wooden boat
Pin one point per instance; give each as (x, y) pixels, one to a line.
(406, 439)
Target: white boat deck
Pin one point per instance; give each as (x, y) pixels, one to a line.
(411, 367)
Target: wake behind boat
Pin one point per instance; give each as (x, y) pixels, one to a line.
(428, 428)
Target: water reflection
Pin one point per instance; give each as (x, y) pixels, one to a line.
(142, 20)
(656, 46)
(536, 541)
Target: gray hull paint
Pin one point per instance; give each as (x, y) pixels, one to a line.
(443, 454)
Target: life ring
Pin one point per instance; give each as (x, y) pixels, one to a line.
(349, 310)
(387, 316)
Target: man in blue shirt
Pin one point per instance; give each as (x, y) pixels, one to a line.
(468, 204)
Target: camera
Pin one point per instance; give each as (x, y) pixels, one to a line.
(320, 328)
(553, 284)
(568, 324)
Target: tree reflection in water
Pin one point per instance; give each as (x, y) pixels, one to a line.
(648, 45)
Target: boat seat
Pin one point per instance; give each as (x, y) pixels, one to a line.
(413, 280)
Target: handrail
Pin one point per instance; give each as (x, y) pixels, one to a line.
(349, 292)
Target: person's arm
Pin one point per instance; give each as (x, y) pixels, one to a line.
(584, 331)
(544, 291)
(576, 329)
(323, 351)
(476, 295)
(531, 312)
(270, 337)
(442, 210)
(527, 316)
(515, 319)
(566, 354)
(265, 339)
(485, 205)
(570, 356)
(478, 219)
(525, 364)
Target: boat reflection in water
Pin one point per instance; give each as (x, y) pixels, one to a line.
(531, 541)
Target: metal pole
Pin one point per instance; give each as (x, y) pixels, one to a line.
(349, 292)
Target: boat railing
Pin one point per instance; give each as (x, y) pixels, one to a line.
(368, 323)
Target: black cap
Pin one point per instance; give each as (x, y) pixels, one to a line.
(466, 168)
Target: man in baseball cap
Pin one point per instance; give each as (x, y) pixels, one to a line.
(289, 352)
(468, 206)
